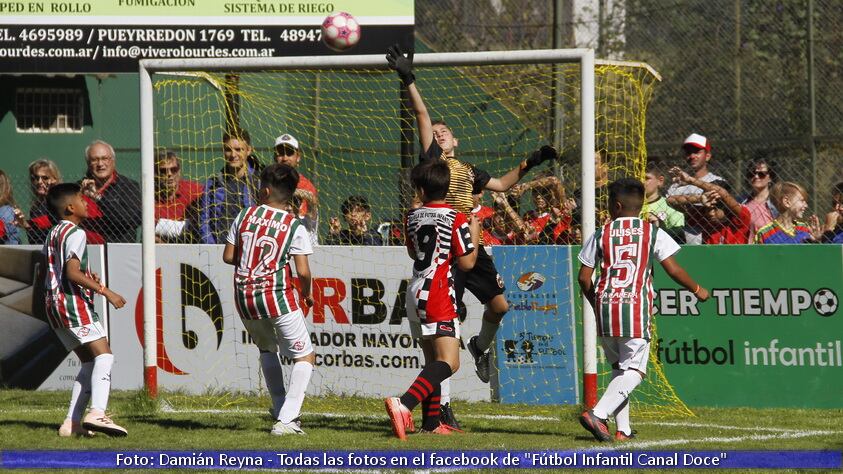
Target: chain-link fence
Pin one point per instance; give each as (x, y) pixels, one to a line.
(761, 80)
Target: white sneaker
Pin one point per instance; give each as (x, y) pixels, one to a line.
(100, 422)
(281, 428)
(73, 428)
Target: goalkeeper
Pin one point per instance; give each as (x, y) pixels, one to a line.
(438, 142)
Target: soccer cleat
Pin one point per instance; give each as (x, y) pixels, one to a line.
(597, 427)
(400, 416)
(621, 436)
(481, 360)
(68, 429)
(442, 429)
(101, 423)
(446, 416)
(281, 428)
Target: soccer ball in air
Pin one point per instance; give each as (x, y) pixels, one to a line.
(340, 31)
(825, 302)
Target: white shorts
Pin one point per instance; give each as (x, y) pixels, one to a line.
(419, 328)
(627, 352)
(75, 337)
(286, 334)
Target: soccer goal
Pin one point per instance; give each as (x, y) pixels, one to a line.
(358, 139)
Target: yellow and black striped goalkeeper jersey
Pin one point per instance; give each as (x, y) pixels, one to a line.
(466, 180)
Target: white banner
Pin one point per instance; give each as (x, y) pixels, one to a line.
(358, 324)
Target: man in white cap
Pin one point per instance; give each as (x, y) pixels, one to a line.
(288, 151)
(697, 150)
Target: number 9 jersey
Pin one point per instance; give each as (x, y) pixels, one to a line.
(624, 250)
(437, 235)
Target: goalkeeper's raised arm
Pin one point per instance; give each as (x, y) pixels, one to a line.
(440, 134)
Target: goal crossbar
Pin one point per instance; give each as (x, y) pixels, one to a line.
(147, 67)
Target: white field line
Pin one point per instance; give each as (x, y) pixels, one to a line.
(626, 446)
(250, 411)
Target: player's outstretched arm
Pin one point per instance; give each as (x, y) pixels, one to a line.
(586, 283)
(303, 272)
(536, 158)
(679, 275)
(403, 65)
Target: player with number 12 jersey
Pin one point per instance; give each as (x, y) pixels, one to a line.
(266, 238)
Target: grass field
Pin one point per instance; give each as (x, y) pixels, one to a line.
(29, 420)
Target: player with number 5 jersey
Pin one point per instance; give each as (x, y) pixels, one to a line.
(624, 251)
(260, 244)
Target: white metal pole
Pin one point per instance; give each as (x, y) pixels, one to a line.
(588, 223)
(150, 336)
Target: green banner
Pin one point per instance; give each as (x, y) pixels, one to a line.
(771, 335)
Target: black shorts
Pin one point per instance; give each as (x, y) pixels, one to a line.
(483, 281)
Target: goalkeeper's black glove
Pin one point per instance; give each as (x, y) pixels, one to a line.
(539, 156)
(401, 64)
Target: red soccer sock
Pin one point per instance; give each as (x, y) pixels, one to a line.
(426, 383)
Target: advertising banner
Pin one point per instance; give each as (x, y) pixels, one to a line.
(536, 352)
(358, 323)
(769, 336)
(112, 35)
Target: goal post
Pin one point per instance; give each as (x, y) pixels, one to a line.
(605, 106)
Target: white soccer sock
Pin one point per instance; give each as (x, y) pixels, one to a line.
(487, 335)
(81, 392)
(101, 381)
(622, 412)
(616, 393)
(445, 391)
(622, 418)
(274, 377)
(299, 380)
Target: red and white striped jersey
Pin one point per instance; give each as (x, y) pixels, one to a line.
(437, 234)
(265, 238)
(624, 249)
(68, 305)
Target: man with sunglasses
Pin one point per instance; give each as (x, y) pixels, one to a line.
(176, 200)
(685, 197)
(288, 151)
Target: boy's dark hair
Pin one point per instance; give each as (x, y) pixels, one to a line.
(58, 195)
(627, 191)
(837, 189)
(237, 134)
(655, 166)
(433, 177)
(281, 180)
(355, 201)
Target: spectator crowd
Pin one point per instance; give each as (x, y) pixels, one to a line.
(691, 203)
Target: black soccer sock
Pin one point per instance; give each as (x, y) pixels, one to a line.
(431, 410)
(426, 383)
